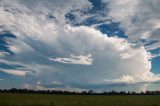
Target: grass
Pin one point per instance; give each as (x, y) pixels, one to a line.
(76, 100)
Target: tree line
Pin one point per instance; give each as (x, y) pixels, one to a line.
(90, 92)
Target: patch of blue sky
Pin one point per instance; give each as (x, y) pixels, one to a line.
(11, 81)
(96, 10)
(112, 29)
(155, 61)
(4, 75)
(99, 19)
(3, 41)
(150, 42)
(155, 51)
(156, 65)
(6, 66)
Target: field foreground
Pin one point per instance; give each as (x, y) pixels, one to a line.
(77, 100)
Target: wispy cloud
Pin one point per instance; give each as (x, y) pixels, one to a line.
(14, 72)
(140, 20)
(83, 60)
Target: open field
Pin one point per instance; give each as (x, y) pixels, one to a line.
(77, 100)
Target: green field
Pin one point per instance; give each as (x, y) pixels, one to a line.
(76, 100)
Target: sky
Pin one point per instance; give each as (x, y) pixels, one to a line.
(77, 45)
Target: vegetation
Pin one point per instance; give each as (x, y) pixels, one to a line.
(14, 99)
(24, 97)
(26, 91)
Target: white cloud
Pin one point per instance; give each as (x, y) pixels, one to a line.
(66, 88)
(56, 83)
(139, 18)
(155, 55)
(127, 79)
(2, 53)
(32, 87)
(39, 38)
(122, 57)
(153, 46)
(122, 11)
(123, 79)
(14, 72)
(84, 60)
(39, 83)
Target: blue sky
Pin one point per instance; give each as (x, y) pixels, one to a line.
(80, 44)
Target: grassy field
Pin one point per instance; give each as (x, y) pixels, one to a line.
(76, 100)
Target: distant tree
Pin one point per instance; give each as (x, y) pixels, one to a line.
(90, 92)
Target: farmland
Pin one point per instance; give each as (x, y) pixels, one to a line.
(8, 99)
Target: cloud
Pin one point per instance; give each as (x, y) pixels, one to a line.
(111, 60)
(153, 46)
(49, 48)
(32, 87)
(14, 72)
(155, 56)
(56, 83)
(66, 88)
(123, 79)
(84, 60)
(139, 18)
(2, 53)
(126, 79)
